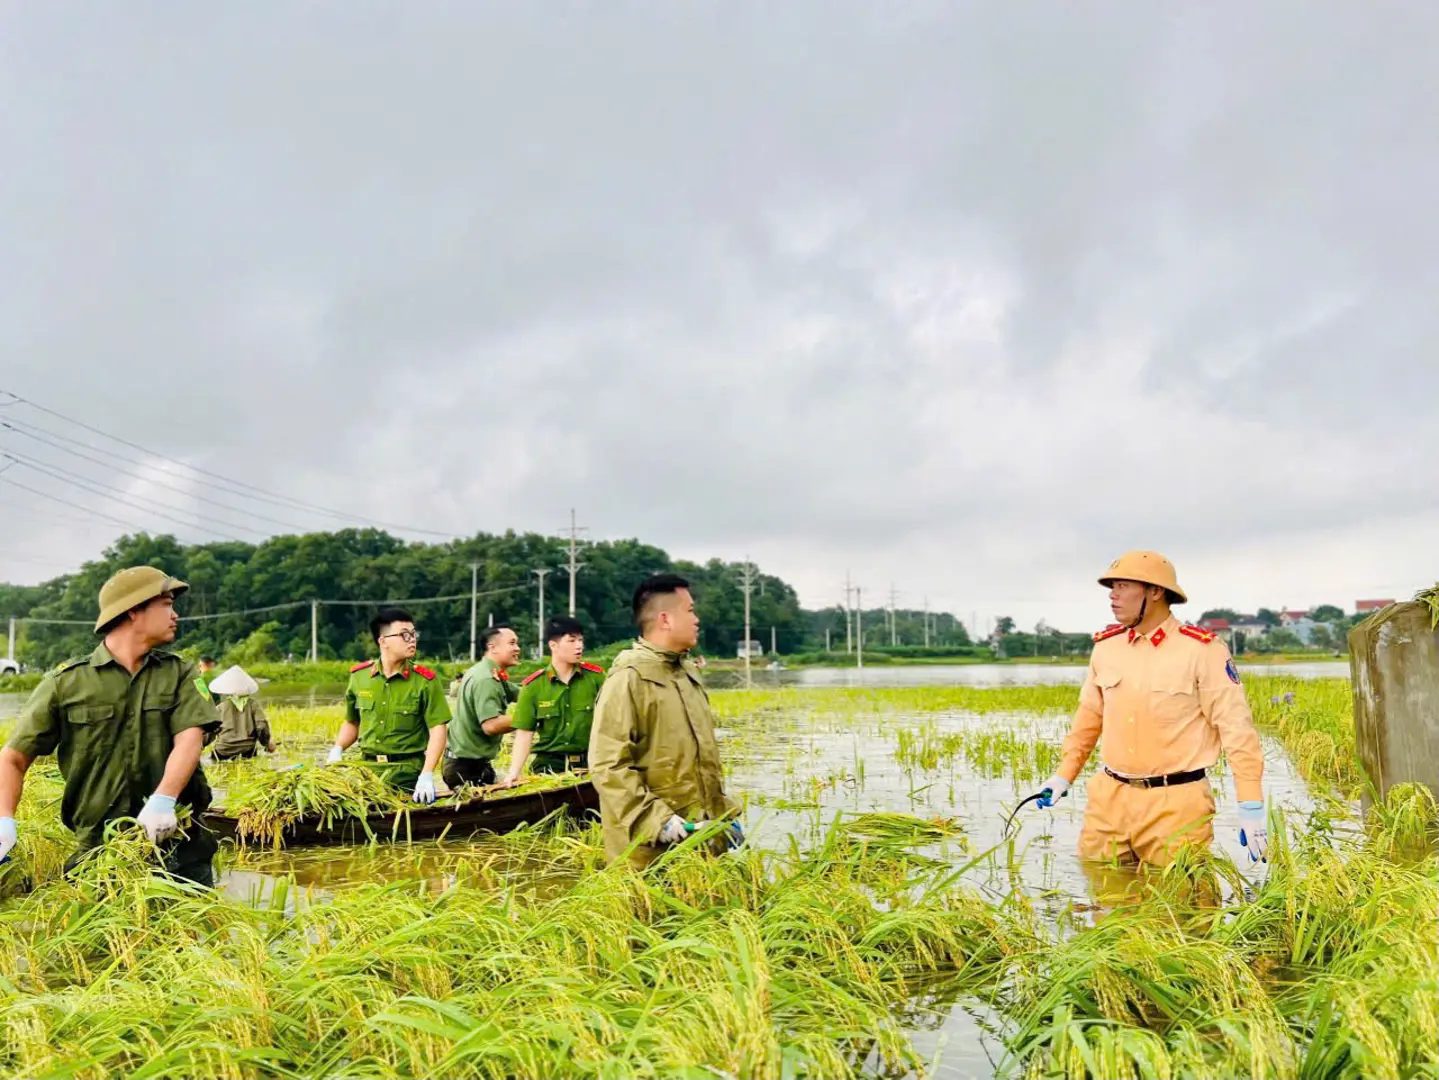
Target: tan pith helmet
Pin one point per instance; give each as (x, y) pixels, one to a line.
(1148, 568)
(130, 588)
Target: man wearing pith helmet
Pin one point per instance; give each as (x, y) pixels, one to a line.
(128, 722)
(1162, 698)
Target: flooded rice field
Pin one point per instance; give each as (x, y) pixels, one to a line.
(879, 922)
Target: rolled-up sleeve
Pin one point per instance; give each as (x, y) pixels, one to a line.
(37, 730)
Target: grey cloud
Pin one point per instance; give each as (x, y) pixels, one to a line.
(813, 277)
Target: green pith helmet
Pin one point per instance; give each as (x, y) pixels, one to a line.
(131, 588)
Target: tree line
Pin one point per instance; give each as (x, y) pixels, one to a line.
(372, 566)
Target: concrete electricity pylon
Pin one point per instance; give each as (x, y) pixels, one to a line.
(749, 576)
(540, 575)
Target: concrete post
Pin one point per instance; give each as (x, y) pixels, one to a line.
(1394, 663)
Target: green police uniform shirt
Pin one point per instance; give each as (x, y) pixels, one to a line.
(113, 733)
(559, 714)
(394, 714)
(485, 692)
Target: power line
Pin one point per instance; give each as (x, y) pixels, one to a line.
(77, 506)
(25, 431)
(254, 492)
(120, 495)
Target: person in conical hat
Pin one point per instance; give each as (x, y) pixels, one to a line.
(1161, 699)
(243, 727)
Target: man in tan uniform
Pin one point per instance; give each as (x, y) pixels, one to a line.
(653, 755)
(1164, 698)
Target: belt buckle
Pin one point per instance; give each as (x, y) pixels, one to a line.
(383, 759)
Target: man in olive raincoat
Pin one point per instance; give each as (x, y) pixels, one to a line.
(653, 755)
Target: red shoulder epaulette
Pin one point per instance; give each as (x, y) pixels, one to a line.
(532, 676)
(1109, 631)
(423, 672)
(362, 665)
(592, 667)
(1198, 633)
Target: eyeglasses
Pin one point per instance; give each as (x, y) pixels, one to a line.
(406, 636)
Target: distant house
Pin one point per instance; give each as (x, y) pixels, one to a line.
(754, 649)
(1299, 624)
(1245, 632)
(1369, 607)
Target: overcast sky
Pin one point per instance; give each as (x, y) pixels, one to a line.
(967, 298)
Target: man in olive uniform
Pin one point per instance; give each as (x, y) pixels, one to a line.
(206, 673)
(128, 723)
(653, 755)
(556, 708)
(396, 709)
(480, 721)
(1162, 699)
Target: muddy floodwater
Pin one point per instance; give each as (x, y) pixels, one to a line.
(798, 761)
(796, 770)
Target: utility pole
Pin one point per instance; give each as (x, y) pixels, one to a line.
(893, 629)
(10, 642)
(540, 576)
(749, 574)
(574, 563)
(314, 631)
(826, 639)
(773, 648)
(474, 605)
(848, 644)
(859, 628)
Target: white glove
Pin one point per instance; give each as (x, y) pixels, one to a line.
(158, 817)
(424, 788)
(674, 831)
(335, 754)
(1057, 786)
(8, 836)
(1254, 830)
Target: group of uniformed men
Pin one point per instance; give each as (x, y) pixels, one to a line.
(129, 722)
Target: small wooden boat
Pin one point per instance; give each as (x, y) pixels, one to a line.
(495, 811)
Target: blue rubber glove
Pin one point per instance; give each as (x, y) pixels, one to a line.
(735, 835)
(425, 788)
(1055, 788)
(8, 836)
(1254, 830)
(158, 817)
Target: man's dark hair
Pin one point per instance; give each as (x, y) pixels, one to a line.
(386, 617)
(651, 587)
(489, 633)
(560, 625)
(207, 659)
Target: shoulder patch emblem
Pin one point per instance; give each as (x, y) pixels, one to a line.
(423, 672)
(1232, 670)
(592, 667)
(362, 665)
(1109, 631)
(1197, 633)
(69, 665)
(501, 675)
(532, 676)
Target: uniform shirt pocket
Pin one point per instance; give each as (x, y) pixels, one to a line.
(1174, 697)
(89, 728)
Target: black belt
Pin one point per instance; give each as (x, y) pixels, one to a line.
(394, 759)
(1172, 780)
